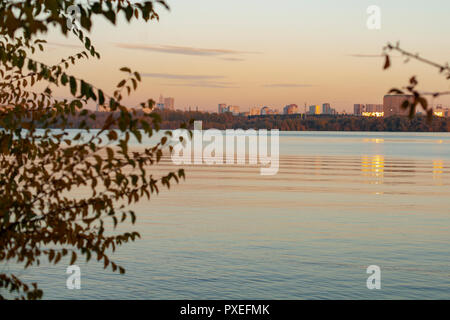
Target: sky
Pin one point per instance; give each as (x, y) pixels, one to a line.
(254, 53)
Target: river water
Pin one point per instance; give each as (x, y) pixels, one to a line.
(339, 203)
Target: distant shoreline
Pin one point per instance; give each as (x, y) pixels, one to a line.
(301, 122)
(295, 122)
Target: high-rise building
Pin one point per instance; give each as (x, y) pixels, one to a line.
(222, 108)
(326, 108)
(165, 103)
(374, 108)
(169, 103)
(314, 109)
(358, 109)
(290, 109)
(392, 104)
(234, 110)
(368, 110)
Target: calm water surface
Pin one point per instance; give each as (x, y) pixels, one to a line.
(340, 202)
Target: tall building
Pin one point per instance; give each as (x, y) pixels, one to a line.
(222, 108)
(169, 103)
(374, 108)
(358, 109)
(165, 103)
(234, 110)
(290, 109)
(326, 108)
(368, 110)
(315, 109)
(392, 104)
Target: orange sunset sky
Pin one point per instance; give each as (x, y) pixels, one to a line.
(256, 52)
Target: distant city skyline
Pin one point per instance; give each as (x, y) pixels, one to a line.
(322, 108)
(391, 106)
(300, 108)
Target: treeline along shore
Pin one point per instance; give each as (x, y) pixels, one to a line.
(294, 122)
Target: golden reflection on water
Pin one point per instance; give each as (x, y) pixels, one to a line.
(374, 140)
(373, 166)
(438, 169)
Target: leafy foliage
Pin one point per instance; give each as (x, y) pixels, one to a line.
(39, 166)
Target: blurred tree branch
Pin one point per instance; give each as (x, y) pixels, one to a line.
(419, 97)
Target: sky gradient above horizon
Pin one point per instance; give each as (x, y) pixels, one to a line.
(257, 52)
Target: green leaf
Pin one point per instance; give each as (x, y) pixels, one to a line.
(64, 79)
(87, 43)
(101, 97)
(73, 86)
